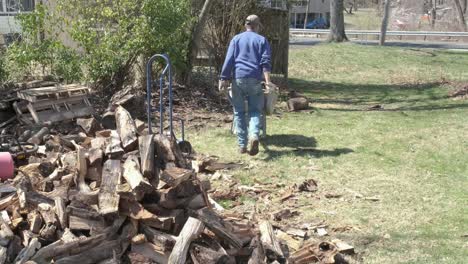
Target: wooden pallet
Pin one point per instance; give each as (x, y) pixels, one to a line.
(53, 104)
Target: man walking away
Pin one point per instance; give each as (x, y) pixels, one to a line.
(248, 61)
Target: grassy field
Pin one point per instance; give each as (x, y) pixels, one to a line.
(412, 154)
(364, 18)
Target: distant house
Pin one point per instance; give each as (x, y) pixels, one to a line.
(317, 9)
(298, 9)
(8, 10)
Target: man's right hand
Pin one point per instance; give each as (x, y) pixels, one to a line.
(223, 86)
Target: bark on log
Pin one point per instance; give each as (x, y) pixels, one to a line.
(158, 238)
(192, 229)
(61, 212)
(28, 252)
(175, 176)
(168, 151)
(108, 198)
(217, 225)
(126, 129)
(270, 243)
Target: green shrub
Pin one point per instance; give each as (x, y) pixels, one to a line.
(109, 36)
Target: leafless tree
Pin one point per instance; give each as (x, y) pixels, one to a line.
(307, 14)
(337, 26)
(460, 14)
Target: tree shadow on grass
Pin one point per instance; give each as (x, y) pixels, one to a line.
(298, 145)
(394, 97)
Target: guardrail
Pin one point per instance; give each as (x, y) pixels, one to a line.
(318, 32)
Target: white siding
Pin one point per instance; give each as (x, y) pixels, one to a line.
(316, 6)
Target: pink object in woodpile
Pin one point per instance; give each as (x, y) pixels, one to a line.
(7, 166)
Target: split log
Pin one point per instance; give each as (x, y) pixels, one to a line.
(192, 229)
(62, 248)
(343, 247)
(297, 104)
(126, 129)
(78, 223)
(83, 213)
(136, 211)
(6, 234)
(258, 254)
(103, 251)
(38, 138)
(28, 252)
(132, 174)
(108, 198)
(293, 244)
(140, 126)
(323, 252)
(89, 125)
(201, 255)
(48, 214)
(99, 143)
(175, 176)
(95, 156)
(8, 200)
(82, 167)
(14, 249)
(3, 255)
(61, 212)
(91, 198)
(217, 225)
(162, 240)
(270, 243)
(177, 217)
(113, 148)
(151, 251)
(146, 148)
(168, 151)
(35, 222)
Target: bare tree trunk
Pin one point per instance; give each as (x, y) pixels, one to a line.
(383, 30)
(307, 14)
(461, 17)
(337, 27)
(197, 35)
(465, 5)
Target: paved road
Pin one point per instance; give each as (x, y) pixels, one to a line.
(296, 43)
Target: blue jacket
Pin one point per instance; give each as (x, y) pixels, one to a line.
(248, 56)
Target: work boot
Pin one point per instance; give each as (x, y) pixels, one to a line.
(254, 147)
(242, 150)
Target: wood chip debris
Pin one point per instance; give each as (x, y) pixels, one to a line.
(107, 195)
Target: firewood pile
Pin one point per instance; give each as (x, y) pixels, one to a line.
(122, 196)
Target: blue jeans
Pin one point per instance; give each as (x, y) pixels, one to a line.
(250, 90)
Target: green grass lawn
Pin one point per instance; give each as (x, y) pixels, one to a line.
(412, 154)
(364, 19)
